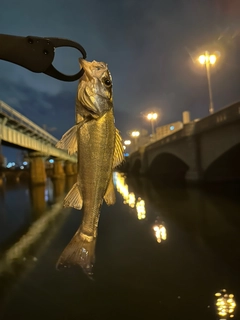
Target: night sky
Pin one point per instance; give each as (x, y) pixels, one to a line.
(149, 45)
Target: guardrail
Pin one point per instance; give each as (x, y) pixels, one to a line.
(226, 115)
(11, 113)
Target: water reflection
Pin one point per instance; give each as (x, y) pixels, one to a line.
(24, 245)
(122, 187)
(69, 182)
(58, 188)
(2, 191)
(30, 203)
(141, 211)
(17, 252)
(207, 217)
(45, 195)
(159, 230)
(225, 304)
(49, 194)
(2, 204)
(129, 198)
(25, 253)
(38, 203)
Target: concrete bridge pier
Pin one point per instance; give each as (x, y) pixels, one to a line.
(58, 171)
(69, 169)
(74, 166)
(143, 164)
(37, 168)
(194, 173)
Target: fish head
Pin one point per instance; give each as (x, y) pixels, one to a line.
(95, 88)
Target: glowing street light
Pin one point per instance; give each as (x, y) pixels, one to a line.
(152, 116)
(208, 60)
(135, 135)
(127, 142)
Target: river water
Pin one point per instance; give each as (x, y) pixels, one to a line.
(162, 252)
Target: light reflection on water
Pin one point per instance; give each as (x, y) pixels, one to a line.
(160, 231)
(201, 213)
(141, 210)
(225, 304)
(130, 198)
(171, 279)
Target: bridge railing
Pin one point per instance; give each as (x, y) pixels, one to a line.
(9, 112)
(225, 115)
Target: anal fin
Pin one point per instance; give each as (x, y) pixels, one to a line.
(109, 196)
(73, 199)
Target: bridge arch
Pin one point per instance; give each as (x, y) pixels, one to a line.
(169, 166)
(225, 167)
(216, 143)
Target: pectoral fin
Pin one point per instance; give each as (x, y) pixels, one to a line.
(73, 199)
(69, 139)
(110, 193)
(118, 157)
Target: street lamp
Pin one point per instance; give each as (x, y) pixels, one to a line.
(127, 142)
(135, 135)
(152, 116)
(208, 60)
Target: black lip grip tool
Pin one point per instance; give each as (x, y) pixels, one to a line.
(37, 54)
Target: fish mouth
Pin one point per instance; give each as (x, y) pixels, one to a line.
(86, 65)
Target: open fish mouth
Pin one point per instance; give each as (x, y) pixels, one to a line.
(86, 65)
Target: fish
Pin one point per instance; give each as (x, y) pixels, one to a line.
(98, 145)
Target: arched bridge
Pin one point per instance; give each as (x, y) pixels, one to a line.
(208, 149)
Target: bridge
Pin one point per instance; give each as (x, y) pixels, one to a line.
(17, 130)
(203, 150)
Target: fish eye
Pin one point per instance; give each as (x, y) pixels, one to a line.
(107, 82)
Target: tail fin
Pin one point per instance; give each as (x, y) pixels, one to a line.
(80, 251)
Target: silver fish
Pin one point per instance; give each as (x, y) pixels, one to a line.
(100, 150)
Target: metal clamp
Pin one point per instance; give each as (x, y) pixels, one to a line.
(37, 54)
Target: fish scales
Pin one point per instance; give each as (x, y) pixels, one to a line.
(95, 166)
